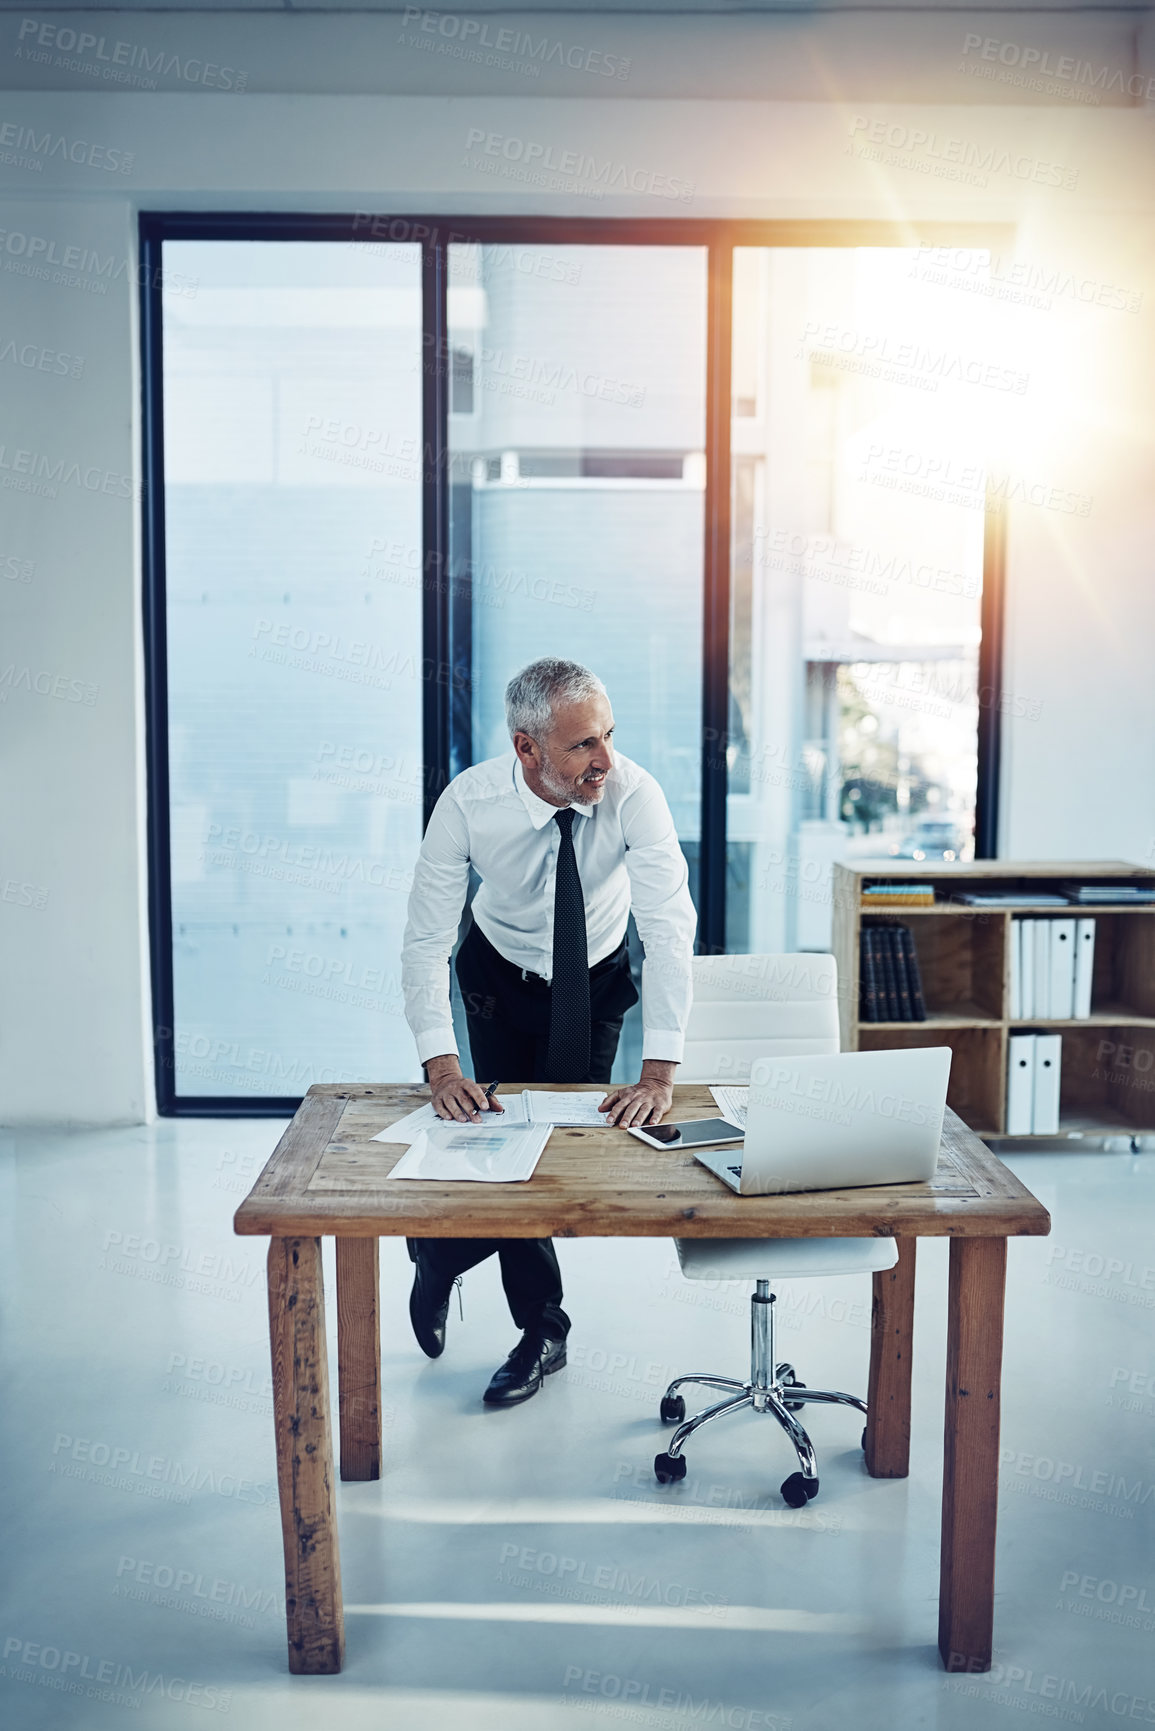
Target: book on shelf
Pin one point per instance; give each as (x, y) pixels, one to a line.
(1009, 899)
(868, 978)
(913, 975)
(890, 984)
(1111, 894)
(897, 896)
(880, 974)
(901, 981)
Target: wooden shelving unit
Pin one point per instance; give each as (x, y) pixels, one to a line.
(1107, 1081)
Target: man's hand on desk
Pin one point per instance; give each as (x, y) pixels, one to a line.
(646, 1101)
(456, 1096)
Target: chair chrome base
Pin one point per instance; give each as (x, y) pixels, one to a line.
(772, 1389)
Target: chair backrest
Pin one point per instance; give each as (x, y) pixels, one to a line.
(748, 1007)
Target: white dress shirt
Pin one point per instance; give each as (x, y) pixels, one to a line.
(627, 856)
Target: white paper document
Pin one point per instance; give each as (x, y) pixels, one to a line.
(447, 1152)
(407, 1129)
(563, 1110)
(731, 1102)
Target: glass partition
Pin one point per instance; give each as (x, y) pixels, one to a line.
(292, 444)
(576, 440)
(856, 577)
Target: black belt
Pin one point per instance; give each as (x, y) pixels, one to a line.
(602, 967)
(607, 962)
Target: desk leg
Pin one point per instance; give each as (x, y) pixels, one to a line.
(888, 1390)
(970, 1481)
(316, 1619)
(359, 1356)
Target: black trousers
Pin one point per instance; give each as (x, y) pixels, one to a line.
(508, 1021)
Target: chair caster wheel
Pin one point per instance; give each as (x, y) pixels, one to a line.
(798, 1491)
(673, 1409)
(668, 1469)
(787, 1376)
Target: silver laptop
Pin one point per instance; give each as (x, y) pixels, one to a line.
(838, 1121)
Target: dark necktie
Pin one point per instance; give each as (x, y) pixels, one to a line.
(568, 1058)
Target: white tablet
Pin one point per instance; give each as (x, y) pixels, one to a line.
(698, 1133)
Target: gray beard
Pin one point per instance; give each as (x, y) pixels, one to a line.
(560, 789)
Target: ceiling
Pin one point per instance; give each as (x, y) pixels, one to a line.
(796, 8)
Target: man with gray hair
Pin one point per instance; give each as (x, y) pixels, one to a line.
(567, 837)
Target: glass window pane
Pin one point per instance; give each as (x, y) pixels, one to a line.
(292, 427)
(856, 581)
(578, 481)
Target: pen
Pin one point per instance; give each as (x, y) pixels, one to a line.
(490, 1091)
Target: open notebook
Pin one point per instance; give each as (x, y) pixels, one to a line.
(563, 1110)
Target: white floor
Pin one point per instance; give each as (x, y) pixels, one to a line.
(512, 1568)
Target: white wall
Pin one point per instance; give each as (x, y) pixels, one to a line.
(73, 1004)
(74, 1038)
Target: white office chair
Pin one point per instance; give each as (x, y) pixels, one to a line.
(748, 1007)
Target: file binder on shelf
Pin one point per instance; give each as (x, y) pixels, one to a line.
(1062, 972)
(1034, 1062)
(1042, 967)
(1015, 961)
(1084, 967)
(1026, 968)
(1020, 1084)
(1048, 1063)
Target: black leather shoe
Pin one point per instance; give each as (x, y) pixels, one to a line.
(428, 1310)
(535, 1356)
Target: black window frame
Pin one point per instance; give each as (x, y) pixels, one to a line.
(446, 646)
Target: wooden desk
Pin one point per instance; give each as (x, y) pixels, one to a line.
(326, 1176)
